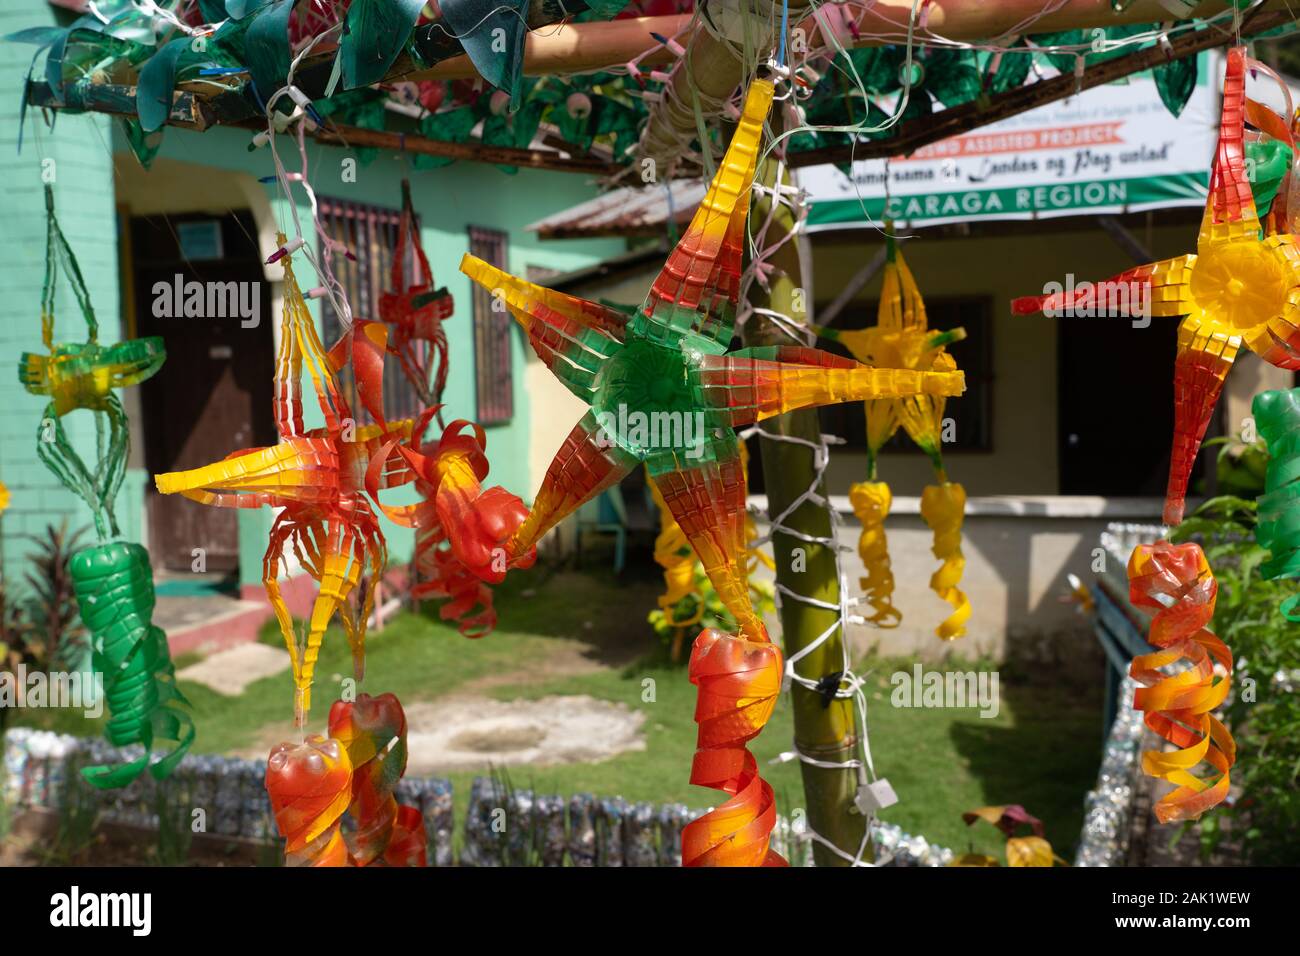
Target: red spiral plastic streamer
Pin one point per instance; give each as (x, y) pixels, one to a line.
(310, 785)
(372, 730)
(738, 682)
(1176, 582)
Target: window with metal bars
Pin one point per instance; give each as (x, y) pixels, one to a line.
(370, 234)
(493, 370)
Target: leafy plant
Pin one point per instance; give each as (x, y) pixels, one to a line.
(702, 608)
(40, 629)
(1263, 712)
(78, 815)
(52, 603)
(1032, 850)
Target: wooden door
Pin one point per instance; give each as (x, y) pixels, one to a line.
(213, 394)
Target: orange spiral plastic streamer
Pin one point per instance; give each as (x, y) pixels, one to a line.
(738, 682)
(310, 785)
(373, 732)
(1175, 581)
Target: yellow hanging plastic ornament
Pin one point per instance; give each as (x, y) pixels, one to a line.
(901, 339)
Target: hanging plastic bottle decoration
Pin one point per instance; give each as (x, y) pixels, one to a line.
(315, 478)
(112, 581)
(310, 786)
(1174, 582)
(902, 338)
(1277, 416)
(669, 363)
(1239, 289)
(461, 528)
(373, 732)
(414, 313)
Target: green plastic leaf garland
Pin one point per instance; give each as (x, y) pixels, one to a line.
(373, 34)
(492, 33)
(1175, 82)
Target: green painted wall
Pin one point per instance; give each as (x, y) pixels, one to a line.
(79, 159)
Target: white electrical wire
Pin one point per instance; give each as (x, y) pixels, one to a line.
(849, 687)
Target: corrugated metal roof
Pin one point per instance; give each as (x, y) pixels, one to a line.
(628, 211)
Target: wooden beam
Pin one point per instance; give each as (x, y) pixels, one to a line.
(192, 112)
(962, 119)
(354, 136)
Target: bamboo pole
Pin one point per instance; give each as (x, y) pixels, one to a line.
(824, 730)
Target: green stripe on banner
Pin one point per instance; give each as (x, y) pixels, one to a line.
(1047, 200)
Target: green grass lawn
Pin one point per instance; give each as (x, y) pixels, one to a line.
(1041, 750)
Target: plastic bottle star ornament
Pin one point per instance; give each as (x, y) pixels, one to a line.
(661, 386)
(316, 478)
(662, 390)
(1238, 289)
(902, 337)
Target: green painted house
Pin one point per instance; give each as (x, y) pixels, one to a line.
(204, 212)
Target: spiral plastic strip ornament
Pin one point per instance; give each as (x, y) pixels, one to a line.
(310, 785)
(372, 730)
(871, 501)
(943, 508)
(1175, 582)
(1277, 417)
(113, 584)
(738, 682)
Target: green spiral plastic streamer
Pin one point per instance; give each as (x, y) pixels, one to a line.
(113, 581)
(1277, 417)
(114, 587)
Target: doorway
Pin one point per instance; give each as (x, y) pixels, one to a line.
(1116, 407)
(212, 396)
